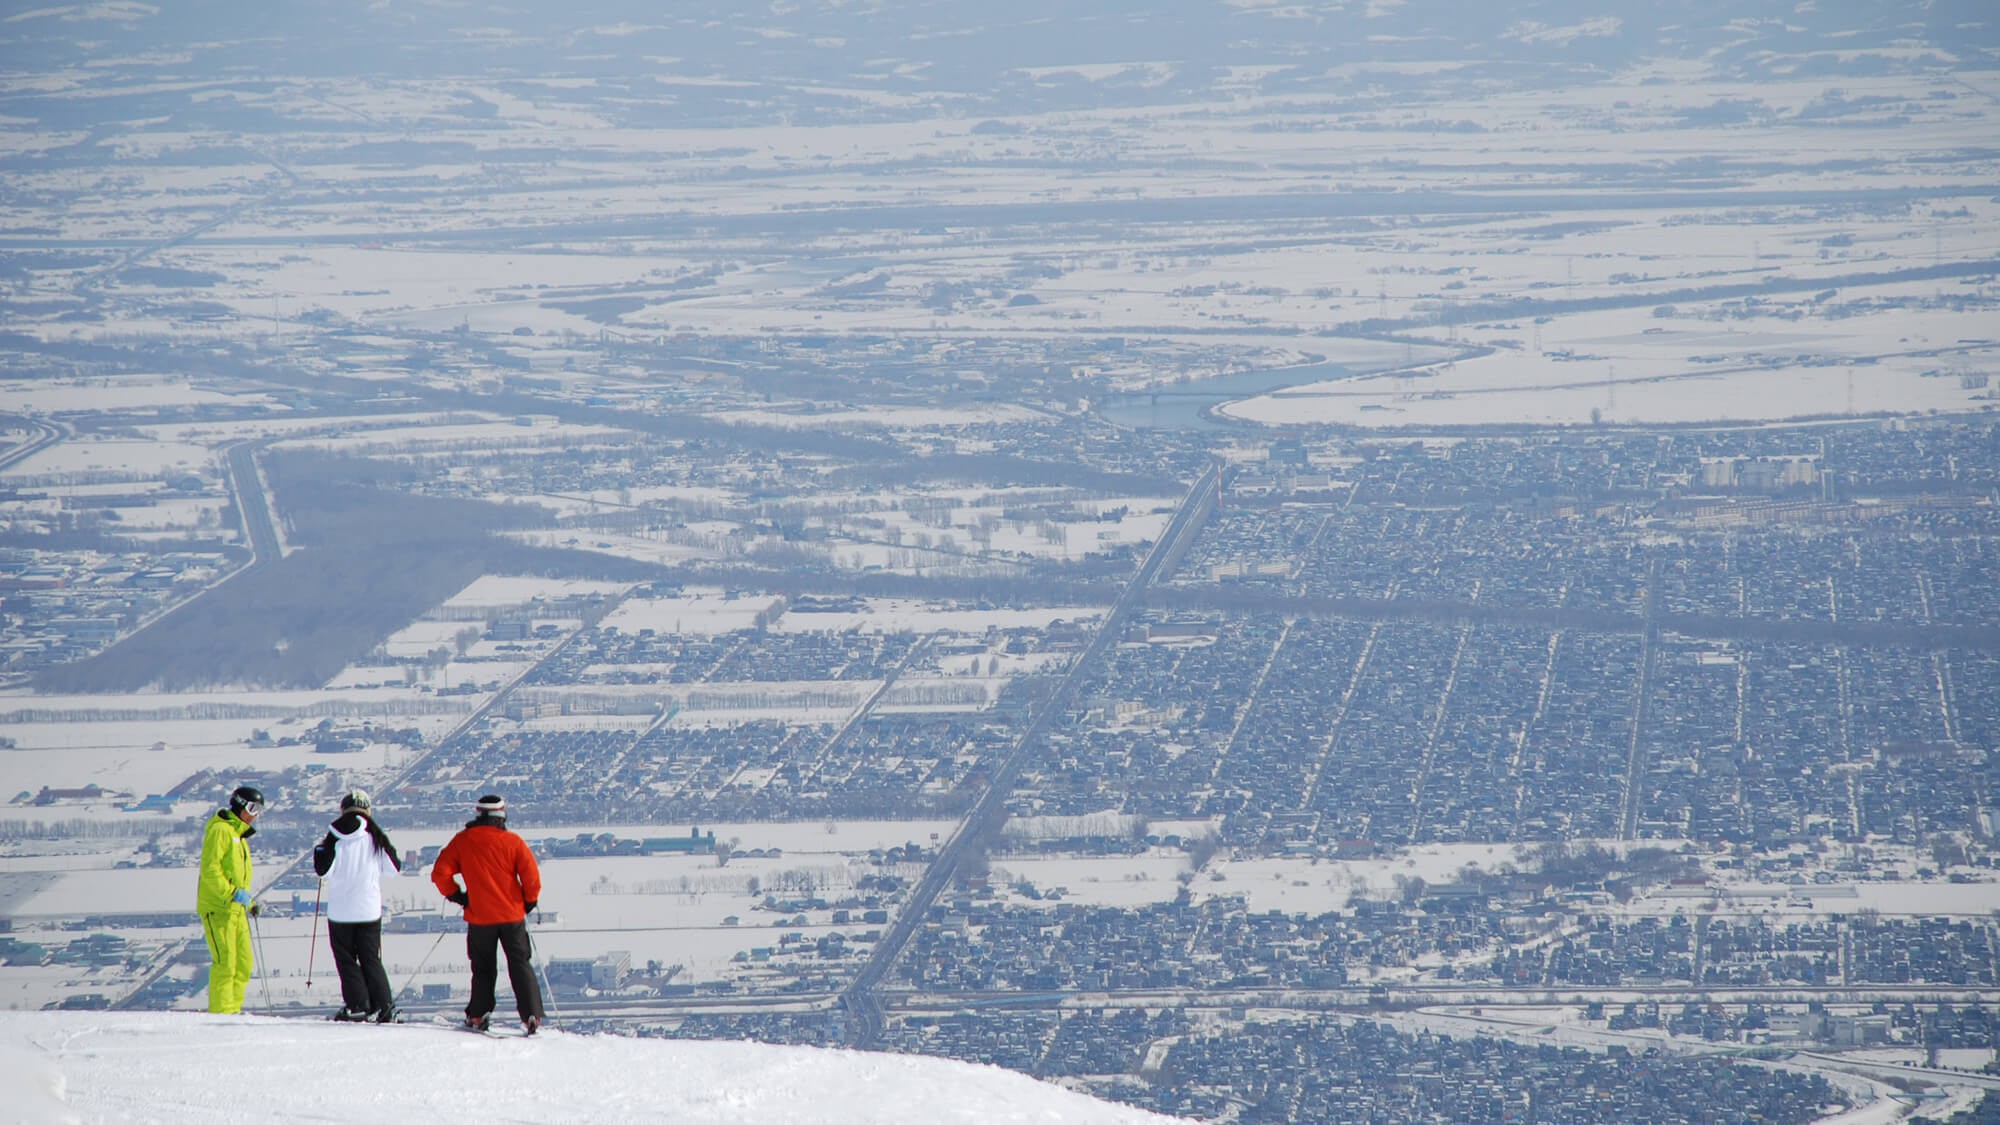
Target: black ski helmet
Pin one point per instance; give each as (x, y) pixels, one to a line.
(247, 797)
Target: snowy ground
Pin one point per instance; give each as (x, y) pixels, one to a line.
(175, 1067)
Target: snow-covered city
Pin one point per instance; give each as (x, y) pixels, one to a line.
(1247, 562)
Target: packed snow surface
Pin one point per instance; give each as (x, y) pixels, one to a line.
(183, 1066)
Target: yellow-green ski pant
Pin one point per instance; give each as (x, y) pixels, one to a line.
(228, 935)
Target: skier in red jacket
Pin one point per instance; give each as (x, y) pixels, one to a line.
(501, 884)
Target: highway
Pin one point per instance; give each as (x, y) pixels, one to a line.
(861, 1001)
(253, 503)
(43, 435)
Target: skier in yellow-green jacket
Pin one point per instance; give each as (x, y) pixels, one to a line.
(222, 898)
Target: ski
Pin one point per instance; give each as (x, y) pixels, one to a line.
(491, 1032)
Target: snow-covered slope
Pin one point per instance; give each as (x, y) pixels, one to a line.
(179, 1066)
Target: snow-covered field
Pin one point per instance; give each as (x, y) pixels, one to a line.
(1614, 220)
(1637, 367)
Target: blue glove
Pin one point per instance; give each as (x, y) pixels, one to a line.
(241, 897)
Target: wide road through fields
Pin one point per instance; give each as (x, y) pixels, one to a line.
(41, 435)
(253, 503)
(860, 999)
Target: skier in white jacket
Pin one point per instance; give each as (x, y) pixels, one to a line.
(353, 858)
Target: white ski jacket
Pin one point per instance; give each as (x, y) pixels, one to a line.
(354, 880)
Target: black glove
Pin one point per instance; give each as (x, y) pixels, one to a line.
(530, 907)
(255, 908)
(457, 897)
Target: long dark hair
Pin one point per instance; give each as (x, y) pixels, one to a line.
(380, 837)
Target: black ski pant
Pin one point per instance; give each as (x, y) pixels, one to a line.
(480, 948)
(357, 957)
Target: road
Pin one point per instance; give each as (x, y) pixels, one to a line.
(253, 503)
(861, 1000)
(43, 435)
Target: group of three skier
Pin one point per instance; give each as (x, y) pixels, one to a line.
(486, 870)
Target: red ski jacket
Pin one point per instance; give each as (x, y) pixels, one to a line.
(498, 870)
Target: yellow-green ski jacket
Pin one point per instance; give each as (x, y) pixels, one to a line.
(225, 863)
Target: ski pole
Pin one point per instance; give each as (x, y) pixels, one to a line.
(263, 975)
(420, 965)
(312, 947)
(541, 980)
